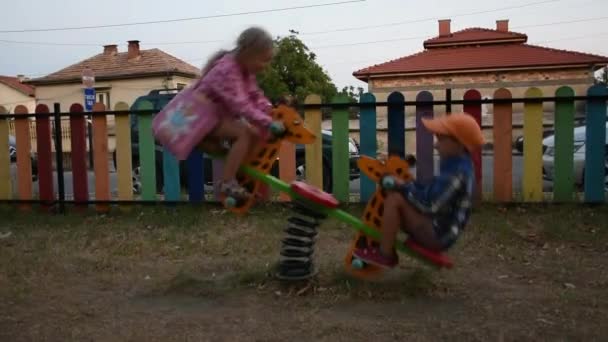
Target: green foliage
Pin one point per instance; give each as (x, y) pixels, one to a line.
(294, 71)
(350, 92)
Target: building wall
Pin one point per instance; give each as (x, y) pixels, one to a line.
(11, 98)
(119, 91)
(518, 82)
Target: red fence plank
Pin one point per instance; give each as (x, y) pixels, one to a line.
(475, 111)
(79, 154)
(45, 157)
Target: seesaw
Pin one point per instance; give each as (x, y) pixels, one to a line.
(313, 204)
(317, 204)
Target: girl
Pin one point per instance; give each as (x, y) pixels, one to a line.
(228, 106)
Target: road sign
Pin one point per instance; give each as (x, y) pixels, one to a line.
(89, 99)
(88, 81)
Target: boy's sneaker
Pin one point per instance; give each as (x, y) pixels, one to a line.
(372, 255)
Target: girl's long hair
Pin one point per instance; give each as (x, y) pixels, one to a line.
(250, 42)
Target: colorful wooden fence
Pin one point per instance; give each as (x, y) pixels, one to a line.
(164, 180)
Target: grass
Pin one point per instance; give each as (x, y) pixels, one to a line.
(73, 275)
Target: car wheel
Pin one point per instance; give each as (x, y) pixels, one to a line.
(582, 187)
(606, 179)
(136, 179)
(301, 174)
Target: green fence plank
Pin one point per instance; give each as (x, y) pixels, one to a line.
(563, 183)
(340, 156)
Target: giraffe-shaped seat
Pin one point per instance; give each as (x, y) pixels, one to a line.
(375, 170)
(265, 155)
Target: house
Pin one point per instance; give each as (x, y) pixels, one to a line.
(119, 76)
(13, 92)
(482, 59)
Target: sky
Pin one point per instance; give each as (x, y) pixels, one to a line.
(346, 36)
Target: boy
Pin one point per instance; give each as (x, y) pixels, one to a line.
(432, 214)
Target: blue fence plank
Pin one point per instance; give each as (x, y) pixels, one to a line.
(396, 124)
(563, 181)
(595, 142)
(147, 152)
(218, 167)
(196, 177)
(424, 139)
(368, 143)
(171, 181)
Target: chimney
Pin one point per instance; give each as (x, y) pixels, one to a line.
(133, 49)
(502, 25)
(110, 49)
(444, 28)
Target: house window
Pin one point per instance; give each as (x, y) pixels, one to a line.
(103, 96)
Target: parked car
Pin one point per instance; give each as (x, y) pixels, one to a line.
(12, 151)
(518, 144)
(579, 156)
(159, 98)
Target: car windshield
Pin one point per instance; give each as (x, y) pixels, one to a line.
(579, 133)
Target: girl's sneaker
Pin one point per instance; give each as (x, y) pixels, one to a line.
(372, 255)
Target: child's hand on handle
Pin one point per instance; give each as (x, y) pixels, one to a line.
(391, 183)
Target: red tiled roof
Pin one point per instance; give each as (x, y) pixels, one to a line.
(478, 35)
(14, 83)
(482, 57)
(117, 66)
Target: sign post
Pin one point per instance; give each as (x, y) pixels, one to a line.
(88, 81)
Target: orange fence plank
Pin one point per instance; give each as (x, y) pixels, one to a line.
(100, 157)
(5, 159)
(287, 165)
(503, 150)
(314, 151)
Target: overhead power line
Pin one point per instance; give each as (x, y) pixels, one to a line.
(324, 46)
(100, 44)
(413, 21)
(564, 22)
(178, 19)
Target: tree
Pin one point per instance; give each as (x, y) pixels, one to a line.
(350, 92)
(294, 71)
(354, 98)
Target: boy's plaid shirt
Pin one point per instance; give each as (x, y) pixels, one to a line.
(447, 198)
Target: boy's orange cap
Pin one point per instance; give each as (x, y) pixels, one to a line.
(460, 126)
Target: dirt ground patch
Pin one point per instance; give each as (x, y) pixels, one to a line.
(522, 274)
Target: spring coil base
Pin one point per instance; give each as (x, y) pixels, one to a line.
(297, 251)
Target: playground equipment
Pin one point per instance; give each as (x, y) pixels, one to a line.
(287, 125)
(311, 205)
(385, 173)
